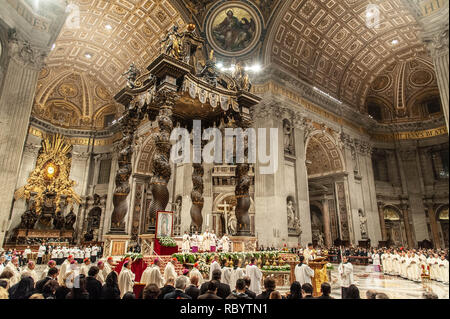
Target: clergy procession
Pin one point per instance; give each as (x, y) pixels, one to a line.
(206, 242)
(75, 277)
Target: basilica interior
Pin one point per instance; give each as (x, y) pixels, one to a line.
(358, 90)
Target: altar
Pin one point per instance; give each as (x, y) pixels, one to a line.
(243, 243)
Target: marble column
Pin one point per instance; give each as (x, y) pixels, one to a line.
(326, 223)
(436, 38)
(16, 101)
(433, 224)
(382, 222)
(301, 131)
(405, 210)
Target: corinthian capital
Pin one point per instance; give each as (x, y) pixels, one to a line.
(438, 43)
(24, 53)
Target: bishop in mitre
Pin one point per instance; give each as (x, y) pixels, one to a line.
(126, 278)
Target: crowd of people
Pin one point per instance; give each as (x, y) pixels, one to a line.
(94, 278)
(58, 253)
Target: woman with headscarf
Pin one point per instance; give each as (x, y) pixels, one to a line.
(23, 289)
(110, 289)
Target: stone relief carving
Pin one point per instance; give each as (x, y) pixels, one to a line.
(24, 52)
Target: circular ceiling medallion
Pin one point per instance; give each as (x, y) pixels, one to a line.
(102, 93)
(68, 90)
(233, 28)
(381, 83)
(421, 78)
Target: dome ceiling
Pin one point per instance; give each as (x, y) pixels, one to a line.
(402, 88)
(329, 45)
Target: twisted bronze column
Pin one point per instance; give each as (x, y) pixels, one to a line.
(243, 182)
(129, 125)
(161, 170)
(197, 198)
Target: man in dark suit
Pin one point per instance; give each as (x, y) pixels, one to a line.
(211, 291)
(325, 288)
(223, 290)
(193, 290)
(269, 286)
(168, 288)
(307, 291)
(248, 292)
(93, 286)
(178, 293)
(52, 274)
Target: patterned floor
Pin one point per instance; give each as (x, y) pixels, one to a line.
(394, 287)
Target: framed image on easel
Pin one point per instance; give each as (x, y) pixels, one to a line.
(164, 224)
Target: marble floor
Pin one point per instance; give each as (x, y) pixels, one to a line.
(395, 287)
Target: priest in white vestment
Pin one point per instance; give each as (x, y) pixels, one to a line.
(303, 273)
(153, 275)
(206, 241)
(212, 242)
(50, 264)
(238, 273)
(402, 262)
(13, 266)
(101, 267)
(255, 274)
(225, 244)
(376, 261)
(126, 279)
(195, 272)
(186, 245)
(169, 271)
(214, 266)
(64, 268)
(226, 274)
(30, 270)
(443, 270)
(194, 243)
(345, 271)
(84, 269)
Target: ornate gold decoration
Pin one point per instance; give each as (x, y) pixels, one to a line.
(391, 214)
(51, 174)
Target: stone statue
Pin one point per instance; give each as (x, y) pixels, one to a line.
(70, 220)
(232, 223)
(178, 205)
(242, 78)
(363, 224)
(29, 218)
(132, 75)
(320, 241)
(287, 131)
(291, 214)
(58, 221)
(172, 44)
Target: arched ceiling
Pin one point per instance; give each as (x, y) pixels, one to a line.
(84, 69)
(135, 29)
(400, 88)
(322, 156)
(324, 42)
(328, 44)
